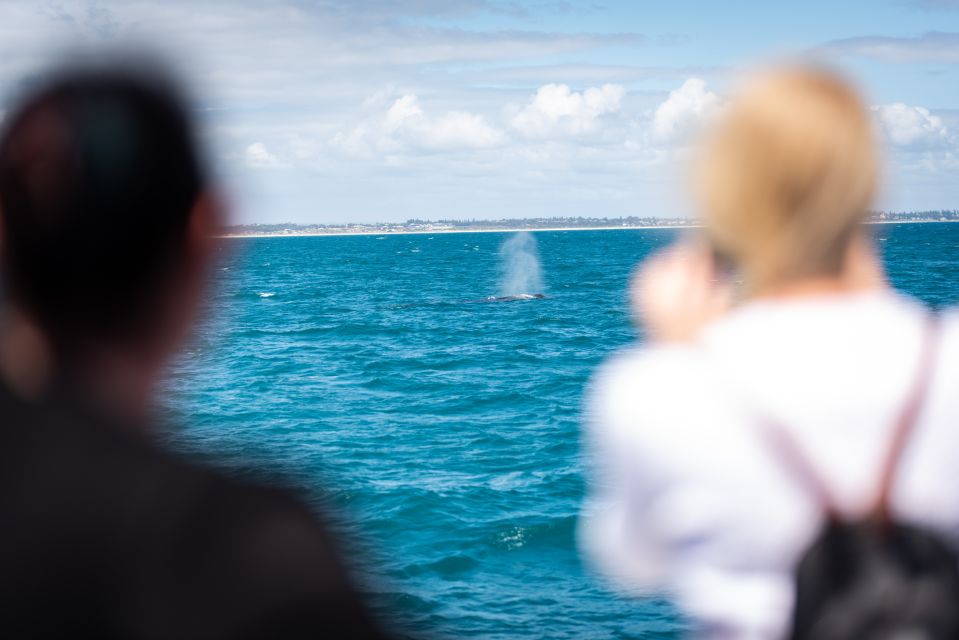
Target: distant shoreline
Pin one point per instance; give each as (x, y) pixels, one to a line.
(327, 234)
(324, 234)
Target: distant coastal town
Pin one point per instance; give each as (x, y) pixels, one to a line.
(527, 224)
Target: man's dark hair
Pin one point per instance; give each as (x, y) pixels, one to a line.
(99, 172)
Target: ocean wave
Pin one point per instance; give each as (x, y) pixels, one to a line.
(449, 567)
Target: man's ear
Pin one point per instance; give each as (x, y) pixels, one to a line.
(181, 295)
(207, 218)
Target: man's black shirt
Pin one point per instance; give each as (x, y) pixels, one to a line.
(103, 534)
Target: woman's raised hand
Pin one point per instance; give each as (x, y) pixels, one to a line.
(676, 292)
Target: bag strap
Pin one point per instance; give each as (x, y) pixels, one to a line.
(908, 417)
(784, 444)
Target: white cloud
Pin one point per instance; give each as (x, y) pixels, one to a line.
(259, 157)
(406, 126)
(684, 112)
(461, 129)
(404, 110)
(911, 127)
(555, 109)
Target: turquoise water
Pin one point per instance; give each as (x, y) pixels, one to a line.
(447, 428)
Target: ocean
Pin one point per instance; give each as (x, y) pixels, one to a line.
(445, 427)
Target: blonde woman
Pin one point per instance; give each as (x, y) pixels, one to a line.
(778, 315)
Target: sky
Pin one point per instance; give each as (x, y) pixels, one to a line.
(337, 111)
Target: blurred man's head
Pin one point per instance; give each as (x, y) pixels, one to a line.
(100, 186)
(788, 176)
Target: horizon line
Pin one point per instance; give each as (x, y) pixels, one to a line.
(684, 219)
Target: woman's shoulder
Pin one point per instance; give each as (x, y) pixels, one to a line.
(655, 378)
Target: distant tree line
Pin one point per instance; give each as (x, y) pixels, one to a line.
(938, 215)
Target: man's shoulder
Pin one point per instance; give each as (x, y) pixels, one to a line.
(191, 550)
(123, 476)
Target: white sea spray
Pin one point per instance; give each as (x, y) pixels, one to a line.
(520, 269)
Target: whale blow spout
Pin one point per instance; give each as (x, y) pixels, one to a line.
(521, 276)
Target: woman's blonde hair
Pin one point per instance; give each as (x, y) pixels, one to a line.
(788, 175)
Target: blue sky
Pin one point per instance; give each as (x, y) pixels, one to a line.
(383, 110)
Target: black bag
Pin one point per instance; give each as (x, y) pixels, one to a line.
(874, 578)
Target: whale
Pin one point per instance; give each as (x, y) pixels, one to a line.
(515, 298)
(486, 300)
